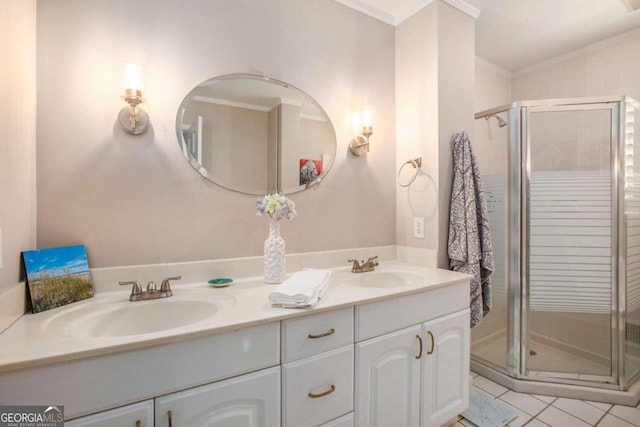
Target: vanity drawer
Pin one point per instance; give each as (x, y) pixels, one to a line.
(378, 318)
(309, 335)
(345, 421)
(317, 389)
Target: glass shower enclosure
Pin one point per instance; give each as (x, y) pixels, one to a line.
(563, 195)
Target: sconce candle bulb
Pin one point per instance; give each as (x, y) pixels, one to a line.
(367, 122)
(133, 77)
(133, 119)
(360, 144)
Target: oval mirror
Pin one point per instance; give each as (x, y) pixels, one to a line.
(255, 135)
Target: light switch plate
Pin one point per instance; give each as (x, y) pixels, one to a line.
(418, 227)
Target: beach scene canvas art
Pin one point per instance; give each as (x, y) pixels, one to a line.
(57, 276)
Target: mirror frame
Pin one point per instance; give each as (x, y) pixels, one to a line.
(204, 173)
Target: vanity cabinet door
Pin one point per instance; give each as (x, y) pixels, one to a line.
(445, 368)
(251, 400)
(388, 380)
(136, 415)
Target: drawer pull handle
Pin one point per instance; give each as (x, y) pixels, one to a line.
(326, 334)
(432, 342)
(419, 355)
(170, 419)
(138, 423)
(324, 393)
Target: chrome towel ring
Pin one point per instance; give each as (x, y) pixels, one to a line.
(417, 164)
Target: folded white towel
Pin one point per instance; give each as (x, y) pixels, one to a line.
(302, 290)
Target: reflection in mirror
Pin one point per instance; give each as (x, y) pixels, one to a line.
(255, 135)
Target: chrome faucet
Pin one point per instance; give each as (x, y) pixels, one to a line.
(152, 292)
(362, 266)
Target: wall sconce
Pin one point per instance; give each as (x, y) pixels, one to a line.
(133, 120)
(360, 144)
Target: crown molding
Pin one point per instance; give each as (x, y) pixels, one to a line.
(464, 7)
(407, 12)
(367, 9)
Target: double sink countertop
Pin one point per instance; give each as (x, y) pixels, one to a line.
(109, 322)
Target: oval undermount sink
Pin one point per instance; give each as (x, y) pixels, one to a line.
(115, 317)
(381, 279)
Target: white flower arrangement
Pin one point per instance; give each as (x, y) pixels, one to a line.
(278, 206)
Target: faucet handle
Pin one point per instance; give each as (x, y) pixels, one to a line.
(165, 287)
(355, 262)
(373, 259)
(136, 290)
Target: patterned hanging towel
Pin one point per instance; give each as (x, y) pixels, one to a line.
(470, 249)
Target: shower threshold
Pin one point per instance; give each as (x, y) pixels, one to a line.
(597, 393)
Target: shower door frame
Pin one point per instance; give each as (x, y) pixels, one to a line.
(518, 263)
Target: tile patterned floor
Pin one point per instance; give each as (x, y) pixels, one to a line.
(549, 411)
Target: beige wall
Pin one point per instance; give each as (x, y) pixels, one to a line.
(17, 134)
(491, 142)
(434, 94)
(417, 125)
(456, 65)
(607, 68)
(492, 86)
(135, 200)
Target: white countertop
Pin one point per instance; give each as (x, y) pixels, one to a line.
(28, 343)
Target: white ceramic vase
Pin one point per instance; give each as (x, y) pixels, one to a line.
(274, 253)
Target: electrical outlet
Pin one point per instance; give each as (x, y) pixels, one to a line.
(418, 227)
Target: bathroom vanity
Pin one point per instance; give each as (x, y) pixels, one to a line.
(390, 345)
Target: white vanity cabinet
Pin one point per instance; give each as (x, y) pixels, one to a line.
(417, 374)
(250, 400)
(136, 415)
(365, 357)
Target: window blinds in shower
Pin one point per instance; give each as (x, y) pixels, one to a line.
(570, 240)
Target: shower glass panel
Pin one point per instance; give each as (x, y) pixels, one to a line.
(569, 262)
(562, 178)
(631, 147)
(491, 146)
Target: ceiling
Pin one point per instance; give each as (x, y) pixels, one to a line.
(517, 34)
